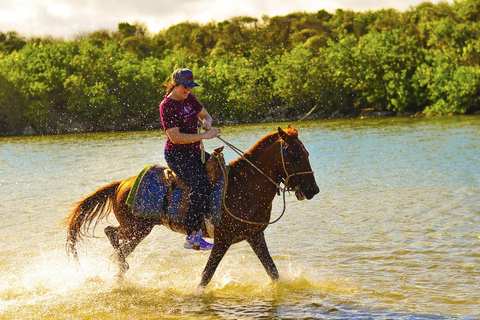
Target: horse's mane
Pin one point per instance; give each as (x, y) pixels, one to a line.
(263, 144)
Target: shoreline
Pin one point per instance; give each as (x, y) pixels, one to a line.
(268, 118)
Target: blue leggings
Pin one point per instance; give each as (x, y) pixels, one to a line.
(188, 166)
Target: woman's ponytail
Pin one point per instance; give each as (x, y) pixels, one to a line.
(170, 86)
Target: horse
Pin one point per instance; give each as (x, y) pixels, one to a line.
(253, 181)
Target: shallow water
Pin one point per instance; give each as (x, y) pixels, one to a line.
(394, 232)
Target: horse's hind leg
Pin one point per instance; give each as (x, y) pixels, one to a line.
(113, 235)
(125, 241)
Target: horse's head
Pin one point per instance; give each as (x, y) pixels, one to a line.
(298, 172)
(214, 164)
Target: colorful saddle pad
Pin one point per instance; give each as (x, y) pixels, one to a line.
(151, 197)
(148, 193)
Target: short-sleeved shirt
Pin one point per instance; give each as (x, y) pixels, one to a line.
(184, 115)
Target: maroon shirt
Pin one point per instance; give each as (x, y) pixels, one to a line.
(184, 115)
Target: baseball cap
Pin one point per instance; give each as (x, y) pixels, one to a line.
(184, 77)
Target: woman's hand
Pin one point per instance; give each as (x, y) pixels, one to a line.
(212, 133)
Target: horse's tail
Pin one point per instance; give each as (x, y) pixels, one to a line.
(94, 207)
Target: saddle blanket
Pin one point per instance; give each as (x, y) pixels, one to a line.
(153, 195)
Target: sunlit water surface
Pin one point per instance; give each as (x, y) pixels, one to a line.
(394, 232)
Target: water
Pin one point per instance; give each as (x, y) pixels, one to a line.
(394, 233)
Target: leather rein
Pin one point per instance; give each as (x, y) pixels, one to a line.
(283, 155)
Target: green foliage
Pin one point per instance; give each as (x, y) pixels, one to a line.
(305, 79)
(112, 89)
(379, 68)
(239, 89)
(36, 73)
(453, 80)
(12, 106)
(11, 41)
(426, 59)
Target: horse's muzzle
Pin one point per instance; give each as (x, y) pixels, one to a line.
(300, 195)
(308, 193)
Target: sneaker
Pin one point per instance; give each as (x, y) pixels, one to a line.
(196, 242)
(204, 245)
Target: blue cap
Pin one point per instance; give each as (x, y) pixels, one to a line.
(184, 77)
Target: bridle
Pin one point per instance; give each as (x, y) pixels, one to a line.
(283, 156)
(295, 174)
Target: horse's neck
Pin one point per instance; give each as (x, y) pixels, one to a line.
(250, 193)
(265, 156)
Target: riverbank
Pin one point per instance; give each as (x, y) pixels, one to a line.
(280, 114)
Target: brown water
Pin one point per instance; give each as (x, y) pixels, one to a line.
(394, 233)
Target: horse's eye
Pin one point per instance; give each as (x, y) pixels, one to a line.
(295, 156)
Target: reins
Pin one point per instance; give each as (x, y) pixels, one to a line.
(283, 154)
(241, 153)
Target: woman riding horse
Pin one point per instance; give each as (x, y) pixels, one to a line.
(253, 182)
(180, 112)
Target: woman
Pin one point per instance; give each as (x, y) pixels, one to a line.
(180, 112)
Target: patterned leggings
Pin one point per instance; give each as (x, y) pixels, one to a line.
(188, 166)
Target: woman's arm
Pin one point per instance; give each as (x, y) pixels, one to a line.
(178, 137)
(205, 117)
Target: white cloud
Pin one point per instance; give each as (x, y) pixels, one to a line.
(60, 10)
(65, 18)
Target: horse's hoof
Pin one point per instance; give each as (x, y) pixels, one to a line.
(119, 278)
(123, 267)
(200, 290)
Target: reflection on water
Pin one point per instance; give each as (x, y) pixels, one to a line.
(393, 233)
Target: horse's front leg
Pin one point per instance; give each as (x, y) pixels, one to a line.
(259, 246)
(216, 255)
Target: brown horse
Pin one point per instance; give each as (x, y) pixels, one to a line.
(253, 181)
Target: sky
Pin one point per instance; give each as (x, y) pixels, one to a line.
(68, 18)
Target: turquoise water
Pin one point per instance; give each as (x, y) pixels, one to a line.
(393, 234)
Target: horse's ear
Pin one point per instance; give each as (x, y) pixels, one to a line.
(218, 150)
(283, 135)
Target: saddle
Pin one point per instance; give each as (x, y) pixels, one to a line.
(158, 193)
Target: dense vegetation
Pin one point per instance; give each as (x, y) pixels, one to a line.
(426, 60)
